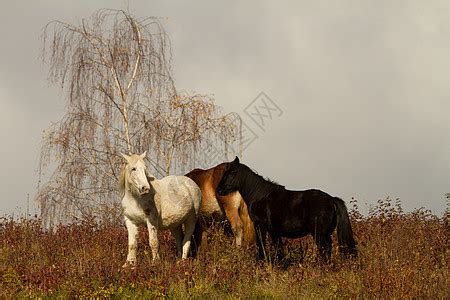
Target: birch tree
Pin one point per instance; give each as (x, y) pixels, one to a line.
(115, 71)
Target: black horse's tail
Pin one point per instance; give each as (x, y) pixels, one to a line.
(347, 244)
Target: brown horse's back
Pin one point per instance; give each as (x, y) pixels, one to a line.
(207, 181)
(213, 206)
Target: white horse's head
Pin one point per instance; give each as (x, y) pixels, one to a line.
(135, 174)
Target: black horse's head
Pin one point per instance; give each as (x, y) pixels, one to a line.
(229, 182)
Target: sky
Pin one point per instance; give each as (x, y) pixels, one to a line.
(362, 90)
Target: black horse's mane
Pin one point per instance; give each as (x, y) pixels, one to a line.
(257, 187)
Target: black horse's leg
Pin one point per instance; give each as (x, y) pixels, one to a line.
(278, 244)
(324, 244)
(261, 241)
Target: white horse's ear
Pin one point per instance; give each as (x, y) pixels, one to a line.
(143, 155)
(150, 177)
(127, 158)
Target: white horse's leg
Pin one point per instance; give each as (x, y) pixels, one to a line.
(177, 232)
(153, 240)
(189, 227)
(132, 243)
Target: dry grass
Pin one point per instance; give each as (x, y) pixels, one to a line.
(401, 256)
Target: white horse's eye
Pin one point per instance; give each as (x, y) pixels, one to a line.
(133, 169)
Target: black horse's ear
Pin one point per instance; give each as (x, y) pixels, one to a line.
(236, 160)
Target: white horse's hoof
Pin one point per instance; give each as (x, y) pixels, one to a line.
(181, 261)
(129, 265)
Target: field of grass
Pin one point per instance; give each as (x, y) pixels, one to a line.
(401, 255)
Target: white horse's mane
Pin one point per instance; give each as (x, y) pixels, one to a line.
(122, 179)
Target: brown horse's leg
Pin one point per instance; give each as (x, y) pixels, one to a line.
(200, 239)
(203, 235)
(249, 229)
(231, 206)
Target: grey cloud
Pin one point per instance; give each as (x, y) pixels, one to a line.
(363, 86)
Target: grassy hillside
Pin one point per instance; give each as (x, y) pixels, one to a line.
(401, 255)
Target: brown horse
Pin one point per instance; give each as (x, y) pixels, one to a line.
(214, 207)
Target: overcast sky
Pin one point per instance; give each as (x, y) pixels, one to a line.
(364, 87)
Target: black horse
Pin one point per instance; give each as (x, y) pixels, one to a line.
(292, 214)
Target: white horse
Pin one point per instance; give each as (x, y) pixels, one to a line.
(168, 203)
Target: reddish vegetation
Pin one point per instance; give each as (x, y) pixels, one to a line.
(401, 255)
